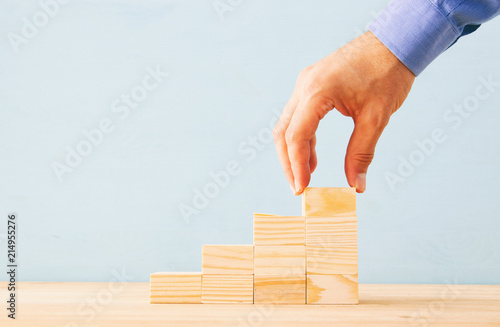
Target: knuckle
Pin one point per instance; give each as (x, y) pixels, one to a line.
(310, 87)
(322, 105)
(290, 136)
(277, 133)
(304, 73)
(307, 81)
(365, 158)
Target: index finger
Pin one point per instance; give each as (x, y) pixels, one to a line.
(279, 138)
(299, 139)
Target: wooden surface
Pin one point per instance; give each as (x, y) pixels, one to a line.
(69, 305)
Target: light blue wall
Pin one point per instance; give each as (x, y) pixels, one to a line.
(118, 210)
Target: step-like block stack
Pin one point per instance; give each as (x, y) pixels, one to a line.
(294, 259)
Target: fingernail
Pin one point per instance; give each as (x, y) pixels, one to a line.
(298, 189)
(361, 182)
(292, 188)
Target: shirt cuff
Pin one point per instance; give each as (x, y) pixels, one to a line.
(416, 32)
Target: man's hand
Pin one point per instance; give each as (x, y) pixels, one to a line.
(362, 80)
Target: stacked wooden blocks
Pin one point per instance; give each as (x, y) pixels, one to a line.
(294, 260)
(280, 259)
(227, 274)
(331, 245)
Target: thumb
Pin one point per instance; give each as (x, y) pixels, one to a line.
(361, 148)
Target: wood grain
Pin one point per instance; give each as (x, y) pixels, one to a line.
(280, 260)
(45, 304)
(332, 289)
(280, 289)
(332, 259)
(227, 259)
(329, 201)
(341, 230)
(278, 230)
(166, 287)
(227, 289)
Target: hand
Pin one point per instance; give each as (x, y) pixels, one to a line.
(362, 80)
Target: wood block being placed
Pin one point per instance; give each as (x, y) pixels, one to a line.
(280, 260)
(168, 287)
(278, 230)
(332, 289)
(329, 201)
(280, 289)
(332, 230)
(227, 289)
(332, 259)
(227, 259)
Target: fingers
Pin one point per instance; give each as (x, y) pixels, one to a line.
(279, 139)
(361, 148)
(300, 142)
(313, 160)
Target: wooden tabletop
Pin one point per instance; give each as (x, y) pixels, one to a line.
(116, 304)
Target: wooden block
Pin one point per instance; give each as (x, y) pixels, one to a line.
(227, 289)
(329, 201)
(332, 289)
(280, 260)
(168, 287)
(227, 259)
(280, 289)
(332, 259)
(278, 230)
(332, 230)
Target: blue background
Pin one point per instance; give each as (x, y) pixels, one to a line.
(228, 75)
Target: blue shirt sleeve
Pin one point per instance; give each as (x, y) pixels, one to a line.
(417, 31)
